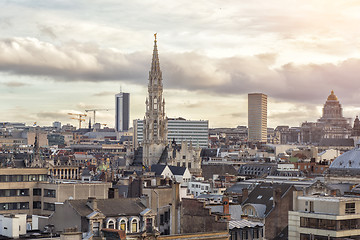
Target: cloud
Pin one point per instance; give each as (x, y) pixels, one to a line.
(46, 30)
(52, 115)
(105, 93)
(191, 71)
(15, 84)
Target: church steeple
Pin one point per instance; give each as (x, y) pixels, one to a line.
(155, 124)
(155, 75)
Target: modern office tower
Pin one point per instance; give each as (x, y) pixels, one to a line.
(122, 114)
(178, 129)
(257, 117)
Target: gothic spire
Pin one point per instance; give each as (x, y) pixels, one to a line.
(155, 73)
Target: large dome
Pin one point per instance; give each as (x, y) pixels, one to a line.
(349, 160)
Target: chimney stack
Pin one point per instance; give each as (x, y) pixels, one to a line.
(276, 196)
(226, 207)
(245, 194)
(92, 203)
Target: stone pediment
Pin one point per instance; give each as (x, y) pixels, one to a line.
(95, 215)
(147, 212)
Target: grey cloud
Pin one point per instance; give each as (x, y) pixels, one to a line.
(46, 30)
(191, 71)
(5, 22)
(102, 94)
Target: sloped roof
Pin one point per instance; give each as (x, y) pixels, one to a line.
(244, 223)
(110, 207)
(263, 195)
(220, 169)
(238, 187)
(158, 169)
(177, 170)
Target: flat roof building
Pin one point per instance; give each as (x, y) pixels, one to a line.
(122, 111)
(257, 117)
(179, 129)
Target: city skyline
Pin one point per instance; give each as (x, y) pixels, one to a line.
(68, 56)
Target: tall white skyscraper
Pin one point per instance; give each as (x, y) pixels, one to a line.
(257, 117)
(122, 111)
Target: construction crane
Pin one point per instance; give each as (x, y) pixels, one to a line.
(79, 117)
(94, 112)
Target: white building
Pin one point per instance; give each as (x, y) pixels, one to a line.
(179, 129)
(257, 117)
(13, 225)
(324, 217)
(198, 188)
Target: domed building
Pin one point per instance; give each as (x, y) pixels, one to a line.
(333, 113)
(346, 164)
(332, 128)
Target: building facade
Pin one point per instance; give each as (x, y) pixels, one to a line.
(332, 124)
(257, 117)
(324, 217)
(122, 111)
(195, 132)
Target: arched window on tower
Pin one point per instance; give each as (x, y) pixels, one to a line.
(155, 103)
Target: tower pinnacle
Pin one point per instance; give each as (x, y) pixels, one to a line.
(155, 124)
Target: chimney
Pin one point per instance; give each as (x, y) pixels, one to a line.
(276, 196)
(175, 209)
(245, 194)
(92, 203)
(116, 193)
(226, 207)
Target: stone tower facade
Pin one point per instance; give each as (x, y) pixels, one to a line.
(155, 123)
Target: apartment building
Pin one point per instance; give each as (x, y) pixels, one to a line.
(324, 217)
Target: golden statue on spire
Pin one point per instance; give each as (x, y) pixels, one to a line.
(155, 35)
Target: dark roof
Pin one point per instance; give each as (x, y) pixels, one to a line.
(238, 187)
(157, 169)
(164, 156)
(346, 142)
(221, 169)
(265, 190)
(110, 207)
(208, 152)
(177, 170)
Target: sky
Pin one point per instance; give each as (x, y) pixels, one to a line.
(66, 56)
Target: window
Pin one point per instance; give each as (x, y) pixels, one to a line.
(37, 192)
(49, 206)
(36, 204)
(350, 208)
(123, 224)
(14, 192)
(96, 228)
(14, 206)
(49, 193)
(161, 219)
(149, 225)
(111, 224)
(134, 225)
